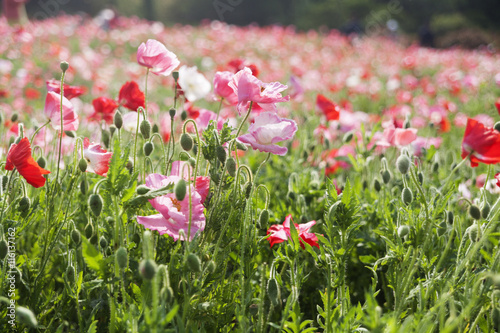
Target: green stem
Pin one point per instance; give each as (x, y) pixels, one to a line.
(61, 131)
(146, 95)
(38, 130)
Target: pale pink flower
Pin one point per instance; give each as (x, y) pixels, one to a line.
(267, 130)
(398, 137)
(222, 88)
(98, 158)
(251, 89)
(157, 57)
(52, 111)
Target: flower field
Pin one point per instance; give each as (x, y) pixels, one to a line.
(256, 179)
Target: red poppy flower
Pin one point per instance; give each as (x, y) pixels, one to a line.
(497, 104)
(19, 157)
(104, 109)
(31, 93)
(482, 143)
(280, 233)
(497, 177)
(69, 91)
(330, 109)
(237, 65)
(131, 96)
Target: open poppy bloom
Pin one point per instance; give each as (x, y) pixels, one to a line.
(69, 91)
(104, 108)
(481, 143)
(157, 57)
(280, 233)
(53, 112)
(19, 157)
(97, 157)
(330, 109)
(222, 88)
(131, 96)
(193, 84)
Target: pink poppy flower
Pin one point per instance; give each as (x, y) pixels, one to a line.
(173, 214)
(155, 56)
(267, 130)
(398, 137)
(250, 89)
(280, 233)
(222, 88)
(52, 111)
(98, 158)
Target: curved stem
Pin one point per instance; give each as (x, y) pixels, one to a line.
(38, 130)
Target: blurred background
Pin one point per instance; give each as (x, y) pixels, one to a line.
(465, 23)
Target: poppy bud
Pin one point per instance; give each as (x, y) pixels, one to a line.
(4, 249)
(474, 212)
(26, 317)
(145, 128)
(273, 291)
(184, 115)
(497, 126)
(241, 146)
(148, 148)
(195, 149)
(420, 177)
(192, 162)
(64, 66)
(231, 166)
(248, 190)
(14, 117)
(5, 179)
(450, 217)
(472, 232)
(103, 243)
(71, 134)
(82, 165)
(148, 268)
(172, 112)
(347, 137)
(112, 130)
(175, 75)
(386, 176)
(183, 156)
(376, 185)
(403, 231)
(136, 238)
(122, 258)
(221, 153)
(76, 237)
(485, 211)
(118, 119)
(142, 189)
(155, 128)
(180, 190)
(441, 229)
(70, 273)
(211, 266)
(24, 204)
(403, 164)
(435, 167)
(263, 218)
(41, 162)
(89, 230)
(407, 196)
(83, 187)
(95, 204)
(193, 263)
(186, 142)
(130, 166)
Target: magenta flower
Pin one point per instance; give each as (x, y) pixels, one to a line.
(280, 233)
(52, 111)
(248, 88)
(97, 157)
(222, 88)
(267, 130)
(154, 55)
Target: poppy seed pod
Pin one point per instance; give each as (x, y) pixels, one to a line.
(118, 119)
(82, 165)
(64, 66)
(95, 204)
(155, 128)
(105, 137)
(145, 128)
(403, 164)
(193, 263)
(186, 142)
(180, 190)
(148, 269)
(112, 130)
(347, 137)
(122, 258)
(248, 190)
(24, 204)
(148, 148)
(83, 187)
(175, 75)
(71, 134)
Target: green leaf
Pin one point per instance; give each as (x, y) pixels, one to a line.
(93, 327)
(171, 314)
(92, 257)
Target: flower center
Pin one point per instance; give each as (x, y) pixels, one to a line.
(176, 204)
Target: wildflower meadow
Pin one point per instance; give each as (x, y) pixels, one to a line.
(247, 179)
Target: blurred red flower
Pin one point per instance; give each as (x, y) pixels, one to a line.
(329, 108)
(69, 91)
(131, 96)
(104, 109)
(19, 157)
(481, 143)
(497, 104)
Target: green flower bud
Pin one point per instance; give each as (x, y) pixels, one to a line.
(420, 177)
(118, 119)
(145, 128)
(5, 180)
(76, 237)
(70, 274)
(184, 115)
(273, 291)
(148, 269)
(186, 142)
(241, 146)
(180, 190)
(103, 243)
(248, 190)
(184, 156)
(71, 134)
(105, 136)
(450, 217)
(142, 189)
(472, 232)
(89, 230)
(122, 258)
(474, 212)
(403, 231)
(155, 128)
(136, 238)
(497, 126)
(148, 148)
(441, 229)
(95, 204)
(386, 176)
(82, 165)
(26, 317)
(211, 266)
(24, 204)
(14, 117)
(172, 112)
(347, 137)
(42, 162)
(376, 185)
(4, 249)
(112, 130)
(231, 166)
(407, 196)
(175, 75)
(403, 164)
(485, 211)
(192, 162)
(130, 166)
(263, 218)
(435, 167)
(64, 66)
(291, 195)
(193, 263)
(221, 153)
(83, 187)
